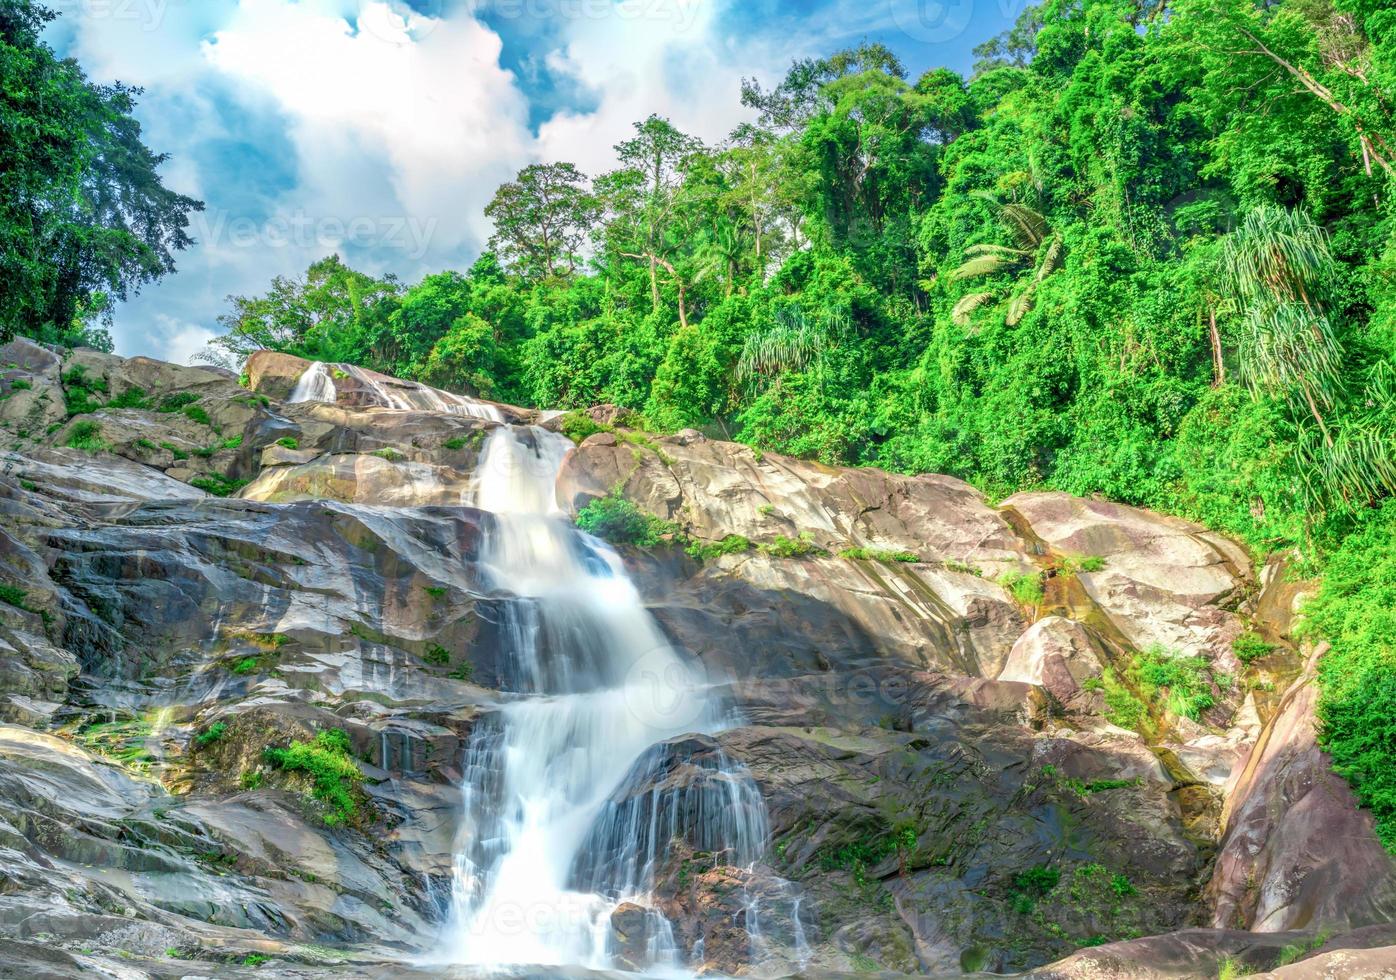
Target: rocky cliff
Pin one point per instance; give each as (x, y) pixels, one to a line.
(1004, 737)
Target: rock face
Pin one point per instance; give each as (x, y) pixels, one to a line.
(1297, 852)
(926, 689)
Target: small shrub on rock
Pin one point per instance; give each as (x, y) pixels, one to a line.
(334, 775)
(86, 435)
(800, 547)
(1025, 587)
(578, 425)
(615, 519)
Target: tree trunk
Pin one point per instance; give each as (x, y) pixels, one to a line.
(1218, 365)
(1313, 410)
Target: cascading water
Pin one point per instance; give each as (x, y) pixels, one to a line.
(421, 398)
(315, 385)
(570, 791)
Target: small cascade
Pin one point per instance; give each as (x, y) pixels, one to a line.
(595, 759)
(399, 752)
(315, 384)
(421, 398)
(803, 953)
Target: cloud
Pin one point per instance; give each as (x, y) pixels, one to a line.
(306, 127)
(671, 57)
(429, 109)
(181, 341)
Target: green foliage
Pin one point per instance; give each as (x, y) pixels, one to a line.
(1294, 952)
(859, 855)
(87, 436)
(216, 484)
(878, 554)
(13, 595)
(1031, 886)
(288, 442)
(577, 425)
(1025, 587)
(437, 654)
(615, 519)
(802, 546)
(1122, 706)
(196, 413)
(1251, 646)
(133, 397)
(246, 665)
(389, 454)
(1069, 565)
(80, 391)
(1180, 684)
(334, 775)
(84, 216)
(177, 402)
(732, 544)
(541, 220)
(212, 734)
(463, 671)
(232, 442)
(1355, 611)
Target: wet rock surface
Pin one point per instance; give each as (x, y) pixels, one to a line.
(206, 571)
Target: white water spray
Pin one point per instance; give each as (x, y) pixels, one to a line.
(422, 398)
(315, 385)
(565, 817)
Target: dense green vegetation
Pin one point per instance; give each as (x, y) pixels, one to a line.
(84, 217)
(1141, 253)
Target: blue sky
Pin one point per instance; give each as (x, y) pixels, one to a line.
(380, 128)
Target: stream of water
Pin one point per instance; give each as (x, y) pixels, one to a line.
(316, 384)
(566, 816)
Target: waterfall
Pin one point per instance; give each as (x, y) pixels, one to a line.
(421, 398)
(578, 779)
(315, 385)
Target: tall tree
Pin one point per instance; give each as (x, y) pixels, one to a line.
(656, 153)
(332, 313)
(541, 220)
(84, 216)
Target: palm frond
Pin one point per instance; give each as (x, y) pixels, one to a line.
(1289, 347)
(1355, 467)
(1277, 255)
(792, 343)
(1020, 304)
(1051, 259)
(968, 304)
(982, 265)
(1028, 227)
(988, 248)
